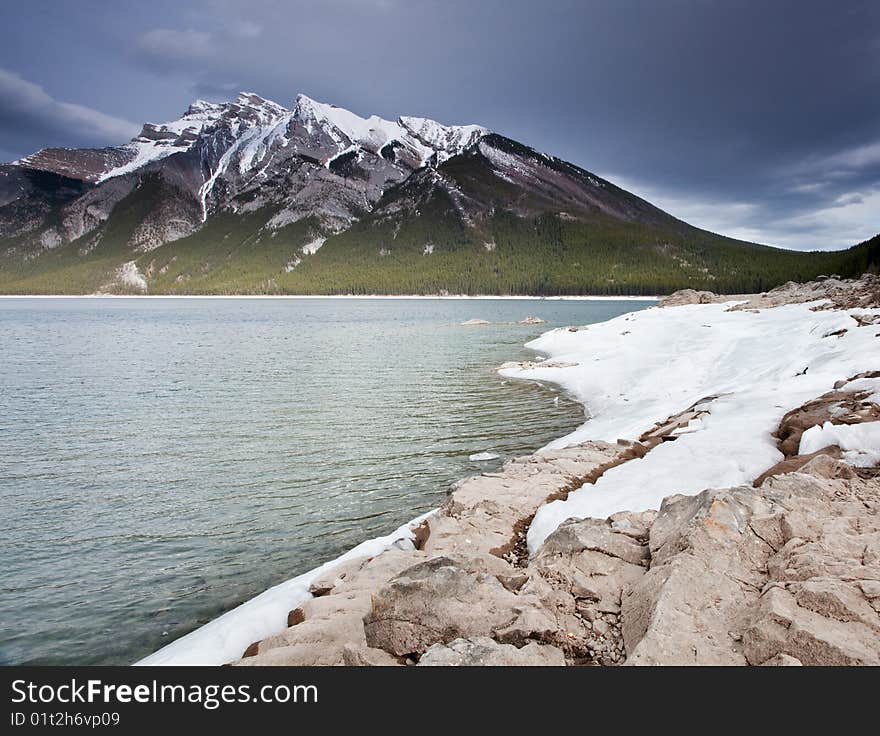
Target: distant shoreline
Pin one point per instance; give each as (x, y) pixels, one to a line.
(326, 296)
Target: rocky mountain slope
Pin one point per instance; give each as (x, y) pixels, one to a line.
(252, 197)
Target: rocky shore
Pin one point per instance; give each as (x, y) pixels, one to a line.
(785, 573)
(832, 291)
(737, 522)
(784, 570)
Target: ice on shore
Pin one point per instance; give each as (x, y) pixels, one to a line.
(641, 368)
(860, 442)
(225, 638)
(481, 456)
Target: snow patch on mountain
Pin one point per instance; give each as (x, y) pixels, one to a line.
(262, 142)
(311, 248)
(129, 275)
(372, 132)
(508, 166)
(292, 264)
(159, 141)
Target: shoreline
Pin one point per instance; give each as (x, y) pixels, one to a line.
(331, 296)
(713, 449)
(262, 615)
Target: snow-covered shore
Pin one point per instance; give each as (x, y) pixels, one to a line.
(747, 367)
(226, 637)
(740, 371)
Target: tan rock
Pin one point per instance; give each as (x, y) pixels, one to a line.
(361, 656)
(782, 660)
(780, 626)
(437, 601)
(325, 625)
(485, 652)
(688, 296)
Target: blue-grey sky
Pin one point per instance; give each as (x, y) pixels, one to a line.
(755, 118)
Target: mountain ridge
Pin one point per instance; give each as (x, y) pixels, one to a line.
(249, 196)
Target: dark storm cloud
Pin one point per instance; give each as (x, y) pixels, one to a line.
(757, 119)
(30, 118)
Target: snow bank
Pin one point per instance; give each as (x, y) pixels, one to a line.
(640, 368)
(865, 384)
(860, 442)
(225, 638)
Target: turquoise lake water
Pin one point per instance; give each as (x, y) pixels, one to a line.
(162, 460)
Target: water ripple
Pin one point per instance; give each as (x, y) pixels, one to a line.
(163, 460)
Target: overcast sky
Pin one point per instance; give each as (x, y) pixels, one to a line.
(757, 119)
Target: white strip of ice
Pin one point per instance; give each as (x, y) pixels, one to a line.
(483, 456)
(225, 638)
(641, 368)
(860, 442)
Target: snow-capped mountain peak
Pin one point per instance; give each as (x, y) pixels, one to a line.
(254, 122)
(345, 127)
(201, 107)
(450, 138)
(425, 138)
(249, 154)
(157, 141)
(261, 110)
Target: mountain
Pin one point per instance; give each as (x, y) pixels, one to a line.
(251, 197)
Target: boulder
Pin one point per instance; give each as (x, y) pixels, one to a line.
(439, 600)
(688, 296)
(782, 574)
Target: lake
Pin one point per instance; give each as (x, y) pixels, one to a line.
(163, 460)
